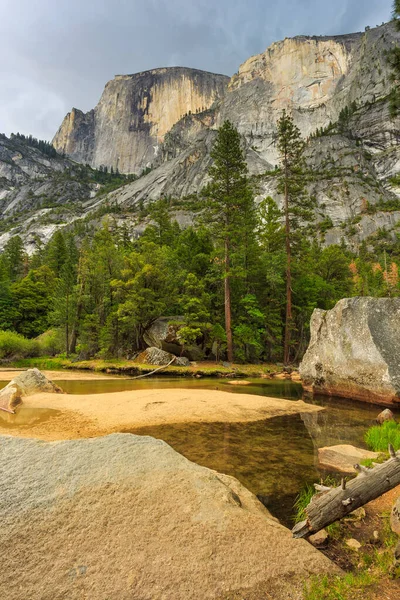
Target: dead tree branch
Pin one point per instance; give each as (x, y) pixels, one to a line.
(330, 505)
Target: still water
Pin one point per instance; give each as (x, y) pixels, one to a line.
(274, 458)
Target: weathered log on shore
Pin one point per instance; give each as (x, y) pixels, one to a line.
(331, 505)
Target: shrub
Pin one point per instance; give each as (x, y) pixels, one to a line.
(15, 345)
(379, 437)
(50, 343)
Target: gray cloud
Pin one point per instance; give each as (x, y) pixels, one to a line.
(60, 54)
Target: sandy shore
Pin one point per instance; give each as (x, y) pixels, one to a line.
(100, 414)
(65, 375)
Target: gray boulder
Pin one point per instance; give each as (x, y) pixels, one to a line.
(163, 334)
(26, 383)
(155, 356)
(126, 516)
(354, 351)
(385, 415)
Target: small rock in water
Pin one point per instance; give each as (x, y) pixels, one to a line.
(385, 415)
(239, 382)
(265, 500)
(343, 457)
(353, 544)
(319, 539)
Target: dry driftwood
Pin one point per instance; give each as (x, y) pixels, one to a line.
(331, 504)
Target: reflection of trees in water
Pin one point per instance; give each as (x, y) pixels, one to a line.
(272, 458)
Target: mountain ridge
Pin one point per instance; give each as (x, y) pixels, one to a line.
(352, 167)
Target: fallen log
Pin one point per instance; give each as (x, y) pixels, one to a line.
(330, 505)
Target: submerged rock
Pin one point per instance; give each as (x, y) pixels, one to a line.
(126, 516)
(354, 350)
(26, 383)
(342, 458)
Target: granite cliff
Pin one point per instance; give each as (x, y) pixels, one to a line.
(133, 115)
(166, 119)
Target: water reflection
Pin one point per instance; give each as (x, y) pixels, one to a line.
(25, 417)
(272, 458)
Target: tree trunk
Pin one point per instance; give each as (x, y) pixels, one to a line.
(228, 315)
(67, 326)
(333, 504)
(288, 320)
(75, 326)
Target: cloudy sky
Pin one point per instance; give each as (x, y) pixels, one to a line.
(59, 53)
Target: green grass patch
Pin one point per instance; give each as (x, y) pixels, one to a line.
(348, 587)
(379, 437)
(301, 503)
(371, 462)
(129, 367)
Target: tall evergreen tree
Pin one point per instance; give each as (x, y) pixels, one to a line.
(297, 206)
(15, 257)
(393, 57)
(229, 210)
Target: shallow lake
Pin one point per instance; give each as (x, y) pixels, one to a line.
(274, 458)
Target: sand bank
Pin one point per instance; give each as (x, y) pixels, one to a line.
(98, 414)
(65, 375)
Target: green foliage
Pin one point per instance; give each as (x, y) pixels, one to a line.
(338, 587)
(229, 215)
(51, 342)
(393, 59)
(43, 146)
(379, 437)
(14, 345)
(302, 501)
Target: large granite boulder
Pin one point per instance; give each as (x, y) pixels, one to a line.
(126, 517)
(26, 383)
(354, 350)
(164, 334)
(155, 356)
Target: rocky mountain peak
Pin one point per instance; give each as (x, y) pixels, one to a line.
(134, 114)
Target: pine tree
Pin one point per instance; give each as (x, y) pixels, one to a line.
(393, 58)
(297, 206)
(229, 204)
(15, 257)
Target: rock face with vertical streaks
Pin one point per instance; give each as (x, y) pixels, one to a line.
(135, 112)
(354, 350)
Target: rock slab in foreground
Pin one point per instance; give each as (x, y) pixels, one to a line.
(26, 383)
(354, 350)
(126, 517)
(342, 458)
